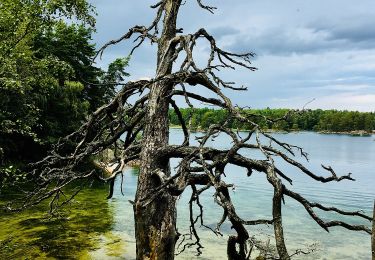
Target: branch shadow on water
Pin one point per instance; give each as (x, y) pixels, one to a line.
(81, 228)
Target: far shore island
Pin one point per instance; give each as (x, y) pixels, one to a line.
(351, 123)
(351, 133)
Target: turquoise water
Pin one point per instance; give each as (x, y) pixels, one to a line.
(96, 228)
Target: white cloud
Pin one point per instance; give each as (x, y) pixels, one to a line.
(343, 101)
(349, 101)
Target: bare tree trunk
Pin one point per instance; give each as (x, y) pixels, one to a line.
(155, 223)
(279, 232)
(373, 235)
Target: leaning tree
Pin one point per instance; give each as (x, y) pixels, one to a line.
(118, 124)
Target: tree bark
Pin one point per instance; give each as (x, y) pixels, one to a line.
(155, 223)
(373, 235)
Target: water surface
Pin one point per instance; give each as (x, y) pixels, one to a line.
(96, 228)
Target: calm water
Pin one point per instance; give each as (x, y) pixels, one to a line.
(96, 228)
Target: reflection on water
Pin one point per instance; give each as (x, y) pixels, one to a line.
(96, 228)
(84, 226)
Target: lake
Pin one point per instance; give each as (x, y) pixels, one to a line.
(96, 228)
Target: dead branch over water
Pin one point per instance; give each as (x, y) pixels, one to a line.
(201, 167)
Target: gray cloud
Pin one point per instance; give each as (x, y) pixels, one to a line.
(222, 31)
(354, 30)
(309, 39)
(306, 49)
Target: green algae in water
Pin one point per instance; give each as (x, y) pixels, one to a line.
(33, 234)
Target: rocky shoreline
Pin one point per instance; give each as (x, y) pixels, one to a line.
(352, 133)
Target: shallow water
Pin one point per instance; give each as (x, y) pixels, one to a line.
(96, 228)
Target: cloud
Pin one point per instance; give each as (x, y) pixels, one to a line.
(303, 27)
(353, 29)
(223, 31)
(346, 101)
(281, 40)
(306, 49)
(346, 87)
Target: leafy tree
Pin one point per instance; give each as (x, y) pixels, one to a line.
(30, 81)
(47, 80)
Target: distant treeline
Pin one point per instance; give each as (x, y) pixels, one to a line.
(307, 120)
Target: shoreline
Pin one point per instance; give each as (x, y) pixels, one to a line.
(357, 133)
(360, 133)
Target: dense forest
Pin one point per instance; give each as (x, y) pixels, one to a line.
(282, 119)
(47, 80)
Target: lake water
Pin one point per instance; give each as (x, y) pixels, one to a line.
(96, 228)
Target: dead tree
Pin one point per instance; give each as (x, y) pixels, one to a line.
(373, 235)
(201, 167)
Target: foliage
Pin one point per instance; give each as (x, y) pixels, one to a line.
(47, 80)
(307, 120)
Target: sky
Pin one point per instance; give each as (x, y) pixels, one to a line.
(317, 53)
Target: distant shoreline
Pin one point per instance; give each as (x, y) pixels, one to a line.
(351, 123)
(359, 133)
(352, 133)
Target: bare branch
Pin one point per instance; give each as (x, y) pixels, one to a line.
(208, 8)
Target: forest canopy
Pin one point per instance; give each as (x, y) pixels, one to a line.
(47, 80)
(306, 120)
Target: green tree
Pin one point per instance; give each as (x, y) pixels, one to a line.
(47, 81)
